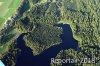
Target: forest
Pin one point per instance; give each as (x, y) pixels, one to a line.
(38, 20)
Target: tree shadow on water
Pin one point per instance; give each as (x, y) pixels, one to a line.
(26, 58)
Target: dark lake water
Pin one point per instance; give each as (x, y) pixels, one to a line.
(26, 58)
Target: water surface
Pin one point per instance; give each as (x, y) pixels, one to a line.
(26, 58)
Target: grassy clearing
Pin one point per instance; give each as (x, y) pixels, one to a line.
(1, 3)
(14, 4)
(7, 9)
(3, 48)
(9, 13)
(1, 21)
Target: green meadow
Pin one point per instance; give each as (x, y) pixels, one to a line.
(7, 9)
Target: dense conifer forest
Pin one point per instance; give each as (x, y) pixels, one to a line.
(38, 18)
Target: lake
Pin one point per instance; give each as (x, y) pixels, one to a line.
(26, 58)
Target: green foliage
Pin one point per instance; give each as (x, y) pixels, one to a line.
(82, 15)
